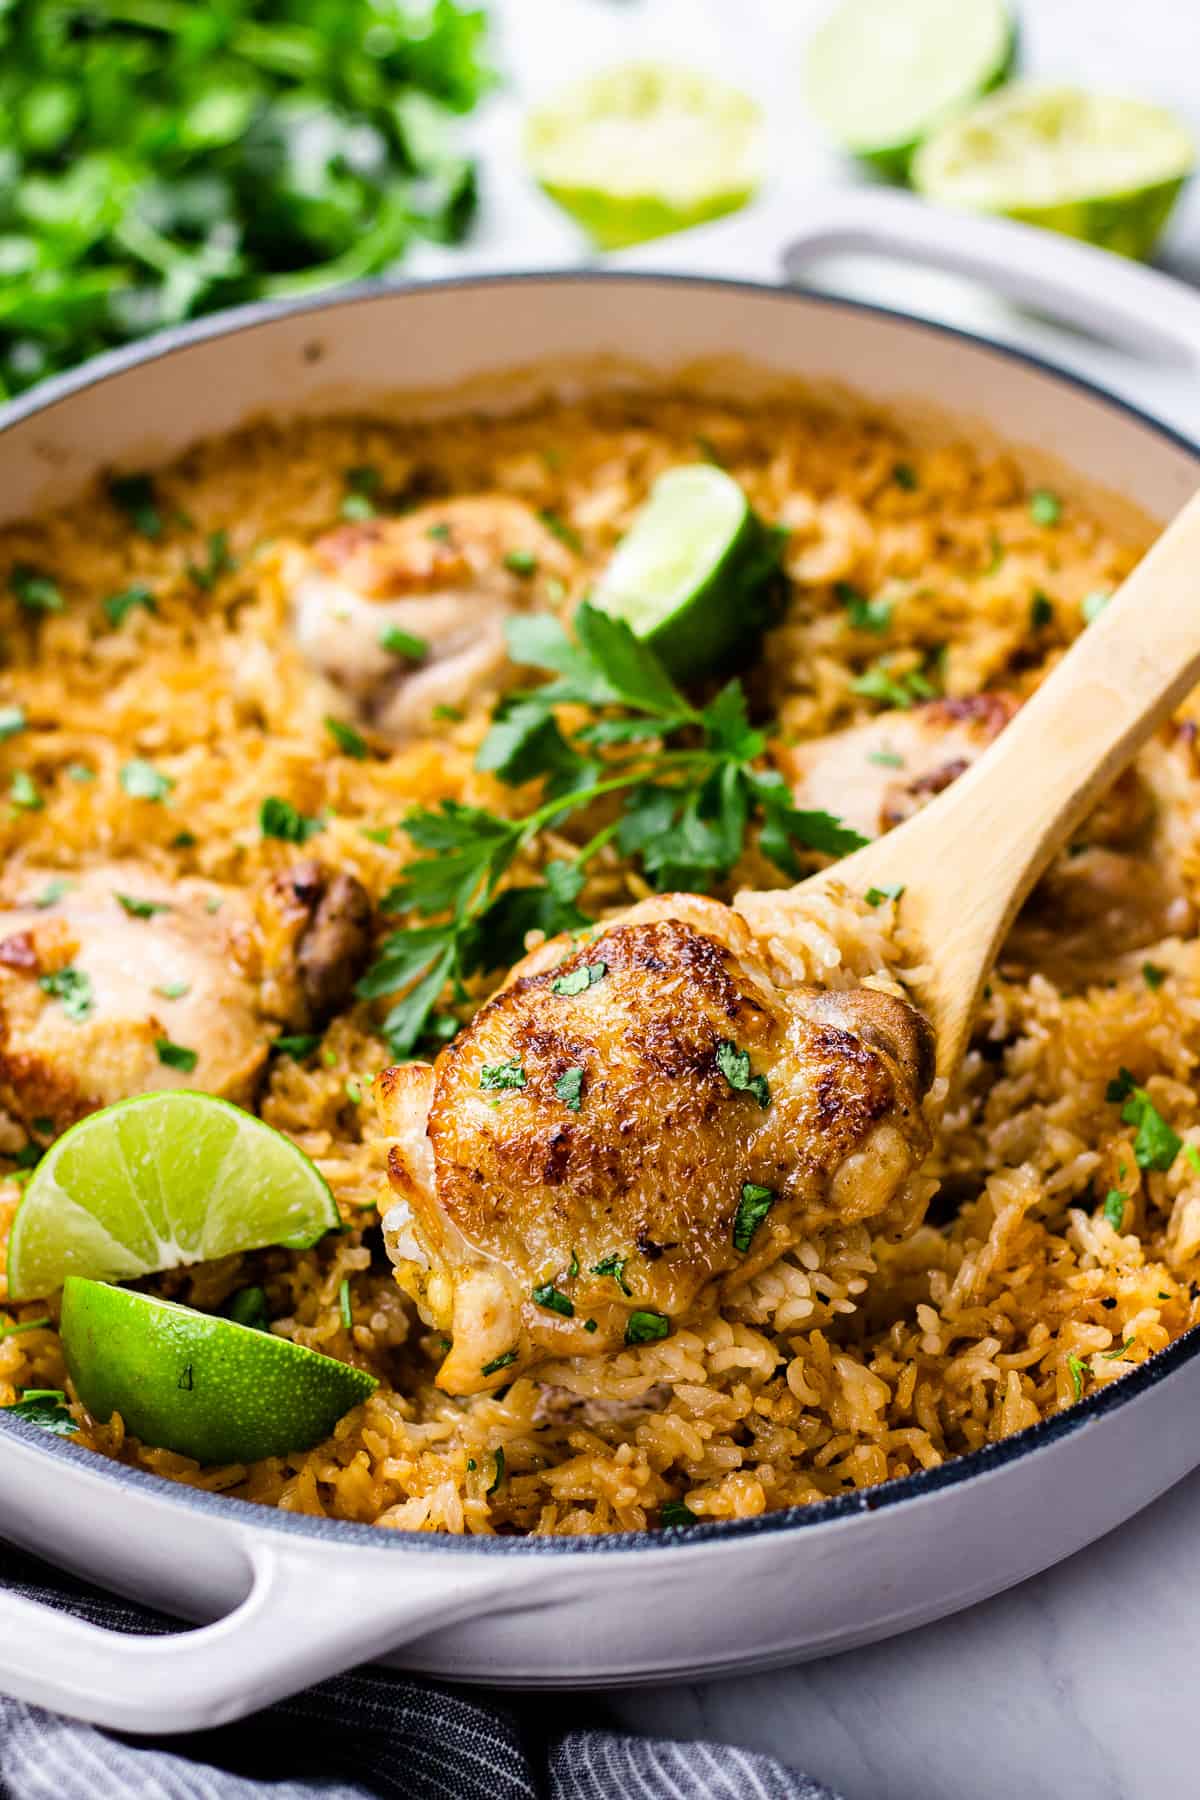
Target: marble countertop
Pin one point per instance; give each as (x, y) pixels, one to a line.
(1076, 1685)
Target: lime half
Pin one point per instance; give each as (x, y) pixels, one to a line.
(157, 1181)
(1098, 168)
(644, 150)
(206, 1387)
(881, 74)
(689, 577)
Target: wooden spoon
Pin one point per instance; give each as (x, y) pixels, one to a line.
(968, 860)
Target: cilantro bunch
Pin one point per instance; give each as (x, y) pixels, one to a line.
(160, 158)
(691, 790)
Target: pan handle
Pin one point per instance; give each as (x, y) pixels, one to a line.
(308, 1613)
(1116, 299)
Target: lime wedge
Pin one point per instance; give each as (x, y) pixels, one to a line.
(157, 1181)
(881, 74)
(690, 576)
(1098, 168)
(206, 1387)
(644, 149)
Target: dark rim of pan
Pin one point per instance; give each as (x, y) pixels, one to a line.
(904, 1490)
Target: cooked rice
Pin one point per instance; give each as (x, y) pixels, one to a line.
(852, 1359)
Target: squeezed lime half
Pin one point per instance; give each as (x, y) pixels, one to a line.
(882, 74)
(206, 1387)
(689, 575)
(645, 149)
(158, 1181)
(1096, 167)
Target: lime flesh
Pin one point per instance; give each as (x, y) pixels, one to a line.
(158, 1181)
(685, 575)
(881, 74)
(1095, 167)
(206, 1387)
(644, 150)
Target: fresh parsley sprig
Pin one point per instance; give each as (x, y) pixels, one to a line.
(691, 789)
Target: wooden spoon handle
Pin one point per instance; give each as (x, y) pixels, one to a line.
(969, 860)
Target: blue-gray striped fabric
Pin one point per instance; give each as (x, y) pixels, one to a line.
(368, 1735)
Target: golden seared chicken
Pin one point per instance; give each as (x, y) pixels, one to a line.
(629, 1120)
(403, 615)
(115, 981)
(314, 939)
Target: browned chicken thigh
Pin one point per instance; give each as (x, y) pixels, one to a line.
(629, 1121)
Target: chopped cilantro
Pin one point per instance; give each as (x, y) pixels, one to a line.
(1193, 1157)
(753, 1207)
(406, 643)
(502, 1075)
(12, 720)
(1120, 1351)
(452, 715)
(674, 1513)
(614, 1265)
(646, 1327)
(1114, 1208)
(996, 557)
(183, 840)
(885, 759)
(280, 819)
(173, 990)
(73, 987)
(142, 781)
(440, 533)
(1041, 611)
(864, 614)
(521, 562)
(353, 1090)
(1157, 1144)
(141, 909)
(553, 1299)
(297, 1044)
(51, 894)
(80, 772)
(36, 592)
(1077, 1370)
(248, 1306)
(498, 1477)
(569, 1089)
(875, 896)
(350, 742)
(1045, 508)
(46, 1407)
(135, 496)
(217, 562)
(576, 980)
(176, 1056)
(566, 534)
(117, 607)
(362, 485)
(903, 691)
(734, 1065)
(499, 1362)
(24, 792)
(1153, 975)
(905, 476)
(344, 1303)
(590, 1325)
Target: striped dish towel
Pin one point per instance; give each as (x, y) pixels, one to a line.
(368, 1735)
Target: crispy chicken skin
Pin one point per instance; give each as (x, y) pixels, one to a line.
(612, 1169)
(438, 574)
(178, 976)
(315, 938)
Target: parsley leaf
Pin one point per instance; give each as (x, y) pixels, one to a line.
(554, 1300)
(24, 792)
(117, 607)
(176, 1056)
(403, 643)
(349, 742)
(12, 721)
(36, 592)
(142, 781)
(1045, 508)
(280, 819)
(675, 1513)
(645, 1327)
(1157, 1144)
(892, 890)
(217, 562)
(73, 987)
(753, 1207)
(1114, 1208)
(135, 496)
(734, 1065)
(579, 979)
(569, 1088)
(614, 1265)
(46, 1407)
(502, 1075)
(141, 909)
(864, 615)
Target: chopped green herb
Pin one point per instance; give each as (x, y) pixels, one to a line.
(502, 1075)
(569, 1089)
(1077, 1370)
(440, 533)
(213, 903)
(46, 1407)
(905, 476)
(44, 1125)
(471, 1465)
(864, 614)
(566, 534)
(280, 819)
(24, 792)
(297, 1044)
(36, 592)
(406, 643)
(73, 987)
(183, 840)
(498, 1477)
(12, 720)
(217, 562)
(452, 715)
(885, 759)
(646, 1327)
(573, 1267)
(734, 1065)
(344, 1303)
(353, 1090)
(996, 558)
(753, 1207)
(134, 495)
(903, 691)
(350, 742)
(51, 894)
(176, 1056)
(1094, 604)
(142, 781)
(500, 1362)
(362, 485)
(7, 1331)
(1041, 611)
(1153, 975)
(141, 909)
(1193, 1156)
(590, 1325)
(675, 1513)
(576, 980)
(1120, 1351)
(173, 990)
(117, 607)
(80, 772)
(521, 562)
(614, 1265)
(1157, 1144)
(875, 896)
(377, 834)
(1045, 508)
(249, 1307)
(1114, 1208)
(554, 1300)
